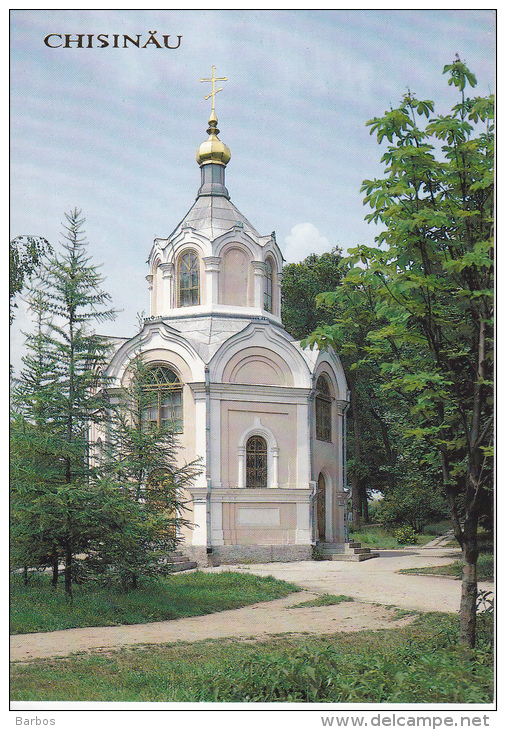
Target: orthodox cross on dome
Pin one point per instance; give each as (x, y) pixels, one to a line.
(214, 91)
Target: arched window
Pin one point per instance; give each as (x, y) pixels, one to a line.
(256, 462)
(165, 401)
(189, 283)
(269, 277)
(323, 410)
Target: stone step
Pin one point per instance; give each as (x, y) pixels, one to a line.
(345, 551)
(331, 551)
(177, 562)
(177, 558)
(358, 551)
(186, 565)
(352, 557)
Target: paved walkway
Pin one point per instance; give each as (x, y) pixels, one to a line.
(370, 582)
(377, 580)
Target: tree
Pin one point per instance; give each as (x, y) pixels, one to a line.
(372, 451)
(432, 275)
(141, 459)
(35, 465)
(301, 283)
(57, 410)
(25, 255)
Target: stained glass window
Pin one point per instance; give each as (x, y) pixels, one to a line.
(189, 286)
(166, 404)
(323, 410)
(256, 462)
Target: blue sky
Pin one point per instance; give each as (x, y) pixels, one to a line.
(114, 131)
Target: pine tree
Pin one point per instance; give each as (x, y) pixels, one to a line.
(35, 465)
(141, 458)
(59, 407)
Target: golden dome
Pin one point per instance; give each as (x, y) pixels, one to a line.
(213, 149)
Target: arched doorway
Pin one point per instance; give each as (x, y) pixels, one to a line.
(320, 509)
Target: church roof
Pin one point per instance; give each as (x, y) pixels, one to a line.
(213, 215)
(207, 334)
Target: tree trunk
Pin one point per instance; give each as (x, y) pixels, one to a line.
(356, 501)
(55, 565)
(365, 503)
(469, 583)
(356, 498)
(391, 453)
(68, 573)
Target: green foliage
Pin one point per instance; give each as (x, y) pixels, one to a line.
(316, 554)
(25, 255)
(56, 508)
(302, 677)
(376, 536)
(406, 535)
(421, 651)
(485, 602)
(36, 607)
(429, 288)
(485, 569)
(416, 505)
(326, 599)
(433, 671)
(141, 463)
(301, 284)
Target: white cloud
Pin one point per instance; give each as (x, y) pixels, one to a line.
(303, 240)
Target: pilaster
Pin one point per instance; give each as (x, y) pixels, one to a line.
(167, 294)
(149, 279)
(212, 264)
(258, 284)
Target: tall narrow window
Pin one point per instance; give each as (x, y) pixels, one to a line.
(165, 406)
(256, 462)
(189, 286)
(268, 286)
(323, 410)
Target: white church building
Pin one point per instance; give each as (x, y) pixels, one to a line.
(266, 416)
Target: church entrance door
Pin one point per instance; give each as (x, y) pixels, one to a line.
(320, 508)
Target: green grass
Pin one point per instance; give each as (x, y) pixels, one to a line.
(382, 537)
(326, 599)
(436, 529)
(36, 607)
(485, 568)
(416, 663)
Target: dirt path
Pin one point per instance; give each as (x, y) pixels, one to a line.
(370, 582)
(257, 621)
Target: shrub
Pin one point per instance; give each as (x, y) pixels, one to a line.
(406, 535)
(416, 505)
(437, 671)
(305, 676)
